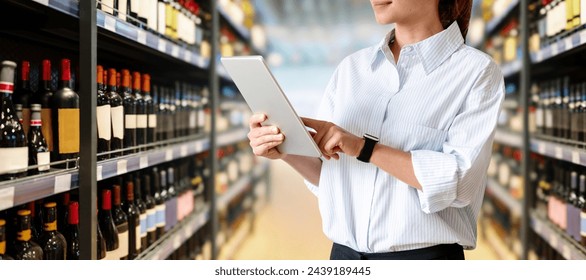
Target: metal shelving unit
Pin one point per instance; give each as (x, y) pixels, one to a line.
(509, 138)
(493, 24)
(503, 195)
(100, 34)
(569, 248)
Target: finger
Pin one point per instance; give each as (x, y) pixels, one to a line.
(332, 145)
(262, 131)
(311, 122)
(267, 139)
(256, 119)
(328, 141)
(263, 150)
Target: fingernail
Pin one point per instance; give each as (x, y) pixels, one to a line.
(275, 130)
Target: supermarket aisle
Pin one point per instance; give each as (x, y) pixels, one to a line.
(289, 227)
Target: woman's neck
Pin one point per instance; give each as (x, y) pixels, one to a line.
(406, 34)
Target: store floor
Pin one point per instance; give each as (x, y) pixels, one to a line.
(289, 226)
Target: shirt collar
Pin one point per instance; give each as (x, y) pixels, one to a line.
(432, 51)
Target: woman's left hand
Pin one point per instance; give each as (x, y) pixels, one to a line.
(332, 139)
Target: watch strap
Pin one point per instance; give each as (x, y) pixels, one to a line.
(366, 152)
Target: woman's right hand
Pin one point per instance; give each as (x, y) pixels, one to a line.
(265, 139)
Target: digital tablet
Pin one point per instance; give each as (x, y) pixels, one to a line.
(263, 94)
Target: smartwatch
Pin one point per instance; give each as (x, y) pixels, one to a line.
(366, 152)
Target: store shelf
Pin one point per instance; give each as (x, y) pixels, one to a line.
(221, 71)
(69, 7)
(492, 25)
(122, 165)
(497, 244)
(509, 138)
(173, 239)
(234, 105)
(151, 40)
(237, 188)
(568, 43)
(36, 187)
(232, 136)
(559, 151)
(557, 239)
(511, 68)
(230, 246)
(240, 29)
(494, 188)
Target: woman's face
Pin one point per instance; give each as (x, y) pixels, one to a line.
(402, 11)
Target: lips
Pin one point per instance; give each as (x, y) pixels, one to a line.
(381, 3)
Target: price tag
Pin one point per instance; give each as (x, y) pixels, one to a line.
(62, 183)
(143, 162)
(169, 155)
(42, 2)
(576, 157)
(539, 56)
(110, 23)
(583, 37)
(559, 153)
(198, 146)
(6, 198)
(162, 45)
(175, 51)
(183, 150)
(122, 167)
(541, 148)
(187, 56)
(568, 43)
(142, 37)
(554, 49)
(99, 172)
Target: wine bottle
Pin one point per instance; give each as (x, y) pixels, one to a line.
(133, 6)
(13, 144)
(161, 20)
(25, 248)
(108, 228)
(150, 109)
(36, 231)
(38, 152)
(23, 94)
(171, 203)
(160, 196)
(71, 232)
(52, 241)
(108, 6)
(142, 209)
(117, 115)
(18, 109)
(134, 242)
(3, 255)
(174, 122)
(104, 116)
(151, 210)
(45, 93)
(177, 110)
(192, 108)
(121, 222)
(582, 207)
(142, 12)
(141, 111)
(129, 113)
(159, 111)
(101, 243)
(122, 9)
(65, 119)
(63, 211)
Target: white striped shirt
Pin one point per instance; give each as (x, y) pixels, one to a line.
(440, 102)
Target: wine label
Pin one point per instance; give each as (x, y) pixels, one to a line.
(201, 118)
(26, 119)
(151, 219)
(141, 121)
(170, 213)
(2, 247)
(122, 9)
(68, 130)
(143, 225)
(123, 241)
(548, 119)
(137, 238)
(152, 120)
(104, 119)
(583, 224)
(24, 235)
(129, 121)
(117, 122)
(161, 18)
(47, 129)
(50, 226)
(43, 160)
(160, 216)
(14, 160)
(108, 6)
(192, 119)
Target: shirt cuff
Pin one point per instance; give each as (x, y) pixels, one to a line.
(313, 188)
(437, 173)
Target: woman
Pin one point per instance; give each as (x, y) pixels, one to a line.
(432, 102)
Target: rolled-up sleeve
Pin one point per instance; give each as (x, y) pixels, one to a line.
(456, 175)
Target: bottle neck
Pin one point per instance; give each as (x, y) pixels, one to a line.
(46, 85)
(64, 84)
(50, 223)
(36, 119)
(25, 84)
(24, 231)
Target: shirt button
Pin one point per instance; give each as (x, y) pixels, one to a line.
(408, 48)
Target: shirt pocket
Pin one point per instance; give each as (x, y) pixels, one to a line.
(410, 137)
